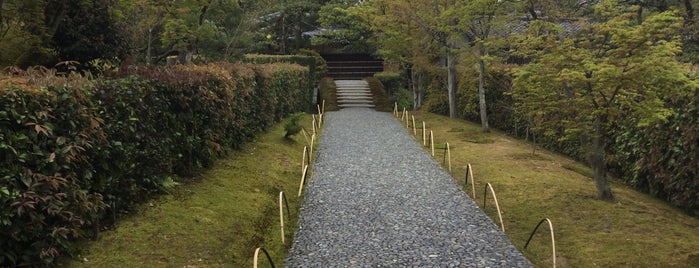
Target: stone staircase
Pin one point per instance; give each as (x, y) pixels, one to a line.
(353, 94)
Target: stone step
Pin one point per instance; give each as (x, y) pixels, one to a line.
(356, 97)
(355, 105)
(354, 102)
(355, 92)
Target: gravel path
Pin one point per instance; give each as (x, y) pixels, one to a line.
(377, 199)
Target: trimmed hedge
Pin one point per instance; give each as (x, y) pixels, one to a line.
(73, 150)
(308, 58)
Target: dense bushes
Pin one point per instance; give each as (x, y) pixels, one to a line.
(45, 176)
(311, 59)
(661, 159)
(379, 96)
(75, 150)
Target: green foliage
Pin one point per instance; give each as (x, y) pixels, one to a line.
(661, 159)
(292, 127)
(379, 95)
(321, 67)
(23, 34)
(281, 28)
(87, 32)
(45, 172)
(328, 94)
(315, 64)
(345, 29)
(614, 70)
(392, 81)
(74, 151)
(403, 97)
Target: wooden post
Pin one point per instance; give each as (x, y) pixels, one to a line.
(432, 142)
(424, 134)
(414, 129)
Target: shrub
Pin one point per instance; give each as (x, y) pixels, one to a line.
(392, 81)
(73, 150)
(45, 192)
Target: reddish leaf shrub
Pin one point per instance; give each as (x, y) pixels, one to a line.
(74, 150)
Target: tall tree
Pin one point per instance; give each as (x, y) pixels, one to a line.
(615, 69)
(87, 32)
(23, 33)
(477, 19)
(433, 19)
(399, 39)
(344, 28)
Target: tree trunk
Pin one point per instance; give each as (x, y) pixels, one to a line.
(481, 89)
(418, 93)
(53, 16)
(451, 82)
(150, 43)
(598, 162)
(690, 12)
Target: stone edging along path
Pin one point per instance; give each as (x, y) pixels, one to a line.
(377, 199)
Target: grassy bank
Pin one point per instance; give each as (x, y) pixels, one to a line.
(215, 220)
(636, 230)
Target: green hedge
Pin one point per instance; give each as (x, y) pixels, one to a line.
(73, 151)
(308, 58)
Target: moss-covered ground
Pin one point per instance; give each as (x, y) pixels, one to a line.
(215, 220)
(636, 230)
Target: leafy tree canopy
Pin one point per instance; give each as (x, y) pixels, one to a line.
(614, 69)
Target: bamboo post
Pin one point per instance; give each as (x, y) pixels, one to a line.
(395, 109)
(407, 123)
(414, 129)
(553, 240)
(320, 120)
(447, 156)
(485, 194)
(432, 142)
(424, 134)
(310, 151)
(257, 253)
(303, 179)
(281, 212)
(469, 173)
(314, 123)
(305, 151)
